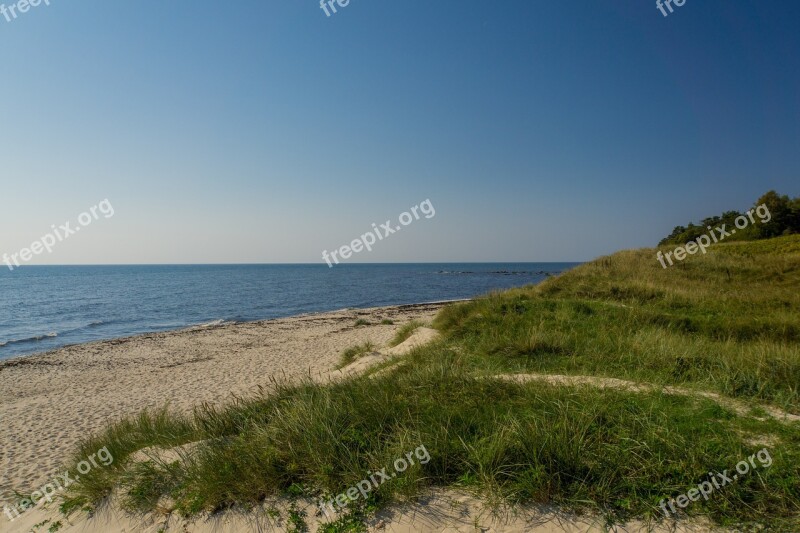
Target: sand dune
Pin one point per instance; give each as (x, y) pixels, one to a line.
(49, 401)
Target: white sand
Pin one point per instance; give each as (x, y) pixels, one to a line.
(49, 401)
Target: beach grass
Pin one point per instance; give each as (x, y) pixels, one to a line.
(725, 322)
(354, 352)
(405, 331)
(728, 322)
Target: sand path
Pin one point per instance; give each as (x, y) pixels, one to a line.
(739, 407)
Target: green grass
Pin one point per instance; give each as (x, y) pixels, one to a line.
(405, 331)
(725, 322)
(354, 352)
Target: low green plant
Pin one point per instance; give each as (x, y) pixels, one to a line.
(297, 520)
(353, 521)
(40, 524)
(354, 352)
(405, 331)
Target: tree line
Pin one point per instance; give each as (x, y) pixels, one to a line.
(784, 220)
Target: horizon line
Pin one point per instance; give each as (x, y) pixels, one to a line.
(298, 264)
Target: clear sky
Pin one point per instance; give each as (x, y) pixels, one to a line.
(265, 131)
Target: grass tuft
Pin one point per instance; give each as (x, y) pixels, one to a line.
(405, 332)
(354, 352)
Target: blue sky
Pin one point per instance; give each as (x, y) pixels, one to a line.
(264, 131)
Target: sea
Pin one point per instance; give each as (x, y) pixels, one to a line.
(47, 307)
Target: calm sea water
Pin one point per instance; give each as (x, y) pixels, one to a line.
(42, 308)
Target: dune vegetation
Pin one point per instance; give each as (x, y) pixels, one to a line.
(712, 345)
(354, 352)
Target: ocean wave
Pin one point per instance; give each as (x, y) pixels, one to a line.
(217, 322)
(36, 338)
(79, 329)
(54, 334)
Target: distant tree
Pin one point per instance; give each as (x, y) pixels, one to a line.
(794, 217)
(728, 217)
(780, 209)
(711, 221)
(692, 233)
(784, 220)
(677, 232)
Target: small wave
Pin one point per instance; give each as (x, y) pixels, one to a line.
(37, 338)
(82, 328)
(213, 323)
(205, 325)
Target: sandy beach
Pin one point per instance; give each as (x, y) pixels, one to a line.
(49, 401)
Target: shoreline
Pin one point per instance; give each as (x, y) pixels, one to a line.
(50, 400)
(214, 324)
